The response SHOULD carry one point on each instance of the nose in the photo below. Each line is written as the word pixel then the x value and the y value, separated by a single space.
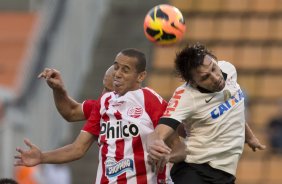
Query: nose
pixel 215 77
pixel 117 73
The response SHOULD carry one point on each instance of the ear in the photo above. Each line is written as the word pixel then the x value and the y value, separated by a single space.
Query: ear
pixel 141 76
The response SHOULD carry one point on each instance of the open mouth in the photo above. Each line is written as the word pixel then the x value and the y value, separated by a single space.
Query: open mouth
pixel 117 83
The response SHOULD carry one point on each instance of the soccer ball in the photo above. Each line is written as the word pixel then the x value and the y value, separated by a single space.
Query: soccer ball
pixel 164 25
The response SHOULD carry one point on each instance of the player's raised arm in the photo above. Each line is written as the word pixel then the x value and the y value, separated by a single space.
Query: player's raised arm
pixel 67 107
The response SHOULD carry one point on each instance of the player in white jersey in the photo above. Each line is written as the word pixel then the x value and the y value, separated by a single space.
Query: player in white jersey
pixel 127 116
pixel 211 106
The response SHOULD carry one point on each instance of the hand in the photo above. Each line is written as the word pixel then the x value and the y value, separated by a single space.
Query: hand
pixel 30 157
pixel 158 153
pixel 157 149
pixel 53 78
pixel 158 166
pixel 254 144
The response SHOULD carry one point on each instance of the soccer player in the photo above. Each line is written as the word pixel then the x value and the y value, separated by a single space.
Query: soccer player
pixel 210 105
pixel 120 122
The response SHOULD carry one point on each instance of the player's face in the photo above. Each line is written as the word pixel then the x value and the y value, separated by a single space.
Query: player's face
pixel 126 77
pixel 208 75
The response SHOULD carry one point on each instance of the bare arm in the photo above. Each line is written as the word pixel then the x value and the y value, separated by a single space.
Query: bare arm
pixel 66 106
pixel 178 153
pixel 156 146
pixel 159 153
pixel 34 156
pixel 252 140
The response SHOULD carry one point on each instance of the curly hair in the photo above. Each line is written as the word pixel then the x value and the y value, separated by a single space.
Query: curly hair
pixel 189 58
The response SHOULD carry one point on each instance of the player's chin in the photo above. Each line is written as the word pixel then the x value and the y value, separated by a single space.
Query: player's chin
pixel 218 89
pixel 220 86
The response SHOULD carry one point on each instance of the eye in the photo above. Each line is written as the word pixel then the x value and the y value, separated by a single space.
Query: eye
pixel 125 70
pixel 205 77
pixel 115 67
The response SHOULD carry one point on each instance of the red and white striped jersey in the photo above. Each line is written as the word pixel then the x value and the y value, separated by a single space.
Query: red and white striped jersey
pixel 122 124
pixel 87 107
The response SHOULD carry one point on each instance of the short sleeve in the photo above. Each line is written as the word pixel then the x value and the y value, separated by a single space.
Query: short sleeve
pixel 92 124
pixel 180 105
pixel 87 107
pixel 154 105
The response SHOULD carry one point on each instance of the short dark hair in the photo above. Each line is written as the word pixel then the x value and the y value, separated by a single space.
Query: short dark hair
pixel 139 55
pixel 190 57
pixel 7 181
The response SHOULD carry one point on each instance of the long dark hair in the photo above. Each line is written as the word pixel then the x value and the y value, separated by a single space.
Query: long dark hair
pixel 189 58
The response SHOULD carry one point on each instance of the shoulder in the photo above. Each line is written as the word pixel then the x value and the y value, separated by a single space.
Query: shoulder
pixel 228 68
pixel 150 93
pixel 185 89
pixel 106 96
pixel 89 102
pixel 183 94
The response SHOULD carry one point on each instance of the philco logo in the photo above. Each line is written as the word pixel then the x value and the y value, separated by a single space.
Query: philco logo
pixel 119 130
pixel 135 112
pixel 227 105
pixel 114 168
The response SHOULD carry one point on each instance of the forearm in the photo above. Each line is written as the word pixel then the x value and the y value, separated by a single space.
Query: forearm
pixel 163 132
pixel 62 155
pixel 248 133
pixel 177 145
pixel 67 107
pixel 70 152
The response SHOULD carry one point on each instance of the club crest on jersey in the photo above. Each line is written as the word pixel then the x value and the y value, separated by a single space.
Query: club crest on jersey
pixel 135 112
pixel 119 130
pixel 114 168
pixel 227 105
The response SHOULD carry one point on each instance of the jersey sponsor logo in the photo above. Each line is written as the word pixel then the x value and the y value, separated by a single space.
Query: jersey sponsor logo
pixel 227 105
pixel 173 103
pixel 119 130
pixel 135 112
pixel 114 168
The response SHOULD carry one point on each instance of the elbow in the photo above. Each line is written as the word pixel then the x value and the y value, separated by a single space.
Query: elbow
pixel 68 118
pixel 79 152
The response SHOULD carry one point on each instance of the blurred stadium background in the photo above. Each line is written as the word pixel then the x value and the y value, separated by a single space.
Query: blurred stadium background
pixel 81 39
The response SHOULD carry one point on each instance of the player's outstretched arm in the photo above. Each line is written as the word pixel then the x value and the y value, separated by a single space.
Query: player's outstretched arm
pixel 67 107
pixel 34 156
pixel 155 143
pixel 252 140
pixel 178 153
pixel 29 158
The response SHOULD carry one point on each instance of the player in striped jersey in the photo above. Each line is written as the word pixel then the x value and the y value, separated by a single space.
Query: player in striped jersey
pixel 120 123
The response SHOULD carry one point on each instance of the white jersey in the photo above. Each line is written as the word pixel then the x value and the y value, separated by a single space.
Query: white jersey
pixel 215 122
pixel 122 124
